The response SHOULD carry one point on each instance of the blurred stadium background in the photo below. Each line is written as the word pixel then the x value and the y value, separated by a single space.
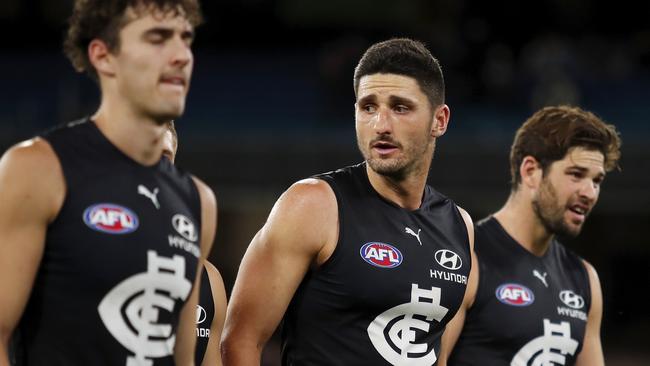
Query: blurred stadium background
pixel 272 102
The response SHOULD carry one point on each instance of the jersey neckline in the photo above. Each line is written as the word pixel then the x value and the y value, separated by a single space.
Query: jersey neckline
pixel 426 195
pixel 515 245
pixel 109 145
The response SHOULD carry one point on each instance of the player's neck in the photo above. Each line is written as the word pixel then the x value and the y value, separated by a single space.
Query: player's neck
pixel 406 193
pixel 137 137
pixel 519 220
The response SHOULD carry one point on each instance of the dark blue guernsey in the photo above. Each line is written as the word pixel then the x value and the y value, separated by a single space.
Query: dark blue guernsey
pixel 394 280
pixel 528 310
pixel 119 260
pixel 204 315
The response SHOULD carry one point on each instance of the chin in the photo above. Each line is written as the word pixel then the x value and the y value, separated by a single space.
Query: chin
pixel 571 231
pixel 388 167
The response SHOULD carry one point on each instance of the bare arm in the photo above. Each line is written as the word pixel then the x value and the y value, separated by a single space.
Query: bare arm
pixel 302 226
pixel 185 335
pixel 592 350
pixel 32 189
pixel 213 351
pixel 455 326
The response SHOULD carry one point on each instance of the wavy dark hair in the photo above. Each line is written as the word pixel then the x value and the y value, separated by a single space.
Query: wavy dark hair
pixel 103 19
pixel 552 131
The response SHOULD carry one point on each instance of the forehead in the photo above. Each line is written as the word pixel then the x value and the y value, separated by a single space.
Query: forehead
pixel 580 157
pixel 146 17
pixel 389 84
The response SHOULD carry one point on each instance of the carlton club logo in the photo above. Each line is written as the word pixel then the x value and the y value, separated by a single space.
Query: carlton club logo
pixel 110 218
pixel 448 259
pixel 571 299
pixel 551 348
pixel 130 311
pixel 515 294
pixel 399 333
pixel 381 255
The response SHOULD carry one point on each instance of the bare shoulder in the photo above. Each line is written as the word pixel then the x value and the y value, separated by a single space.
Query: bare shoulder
pixel 31 171
pixel 34 153
pixel 205 193
pixel 309 201
pixel 469 224
pixel 594 281
pixel 306 213
pixel 591 270
pixel 213 272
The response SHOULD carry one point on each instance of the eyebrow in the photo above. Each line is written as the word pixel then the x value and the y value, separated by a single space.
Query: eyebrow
pixel 166 33
pixel 583 169
pixel 392 100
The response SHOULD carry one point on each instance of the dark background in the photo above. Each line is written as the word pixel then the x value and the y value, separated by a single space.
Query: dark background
pixel 272 102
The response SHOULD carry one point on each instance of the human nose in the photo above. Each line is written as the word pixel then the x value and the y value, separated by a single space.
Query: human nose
pixel 181 53
pixel 589 190
pixel 382 123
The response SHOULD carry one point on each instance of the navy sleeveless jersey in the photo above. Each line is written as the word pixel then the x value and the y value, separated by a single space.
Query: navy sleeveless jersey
pixel 528 310
pixel 119 260
pixel 394 280
pixel 204 315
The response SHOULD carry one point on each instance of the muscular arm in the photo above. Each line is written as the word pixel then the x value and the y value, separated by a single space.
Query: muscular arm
pixel 213 351
pixel 455 326
pixel 592 350
pixel 185 335
pixel 32 188
pixel 300 231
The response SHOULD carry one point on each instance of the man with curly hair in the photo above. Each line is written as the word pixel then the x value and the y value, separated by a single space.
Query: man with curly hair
pixel 535 302
pixel 101 239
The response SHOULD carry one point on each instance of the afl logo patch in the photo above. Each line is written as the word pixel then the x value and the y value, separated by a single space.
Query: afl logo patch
pixel 110 218
pixel 381 255
pixel 515 294
pixel 448 259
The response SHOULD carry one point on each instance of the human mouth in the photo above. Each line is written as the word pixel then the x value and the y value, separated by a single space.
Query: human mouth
pixel 578 213
pixel 384 147
pixel 174 81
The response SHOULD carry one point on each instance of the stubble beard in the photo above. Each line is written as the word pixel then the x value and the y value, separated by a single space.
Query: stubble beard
pixel 550 213
pixel 409 162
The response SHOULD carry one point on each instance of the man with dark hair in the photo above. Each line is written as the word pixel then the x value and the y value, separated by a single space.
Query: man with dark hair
pixel 101 238
pixel 211 309
pixel 534 302
pixel 367 263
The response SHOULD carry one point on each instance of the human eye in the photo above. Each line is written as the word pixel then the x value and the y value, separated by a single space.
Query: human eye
pixel 598 181
pixel 188 38
pixel 575 174
pixel 369 108
pixel 401 108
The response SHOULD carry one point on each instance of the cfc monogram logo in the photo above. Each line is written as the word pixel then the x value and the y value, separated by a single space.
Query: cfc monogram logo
pixel 549 349
pixel 393 332
pixel 130 310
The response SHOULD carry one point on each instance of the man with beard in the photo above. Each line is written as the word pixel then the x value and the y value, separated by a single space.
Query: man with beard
pixel 367 263
pixel 535 301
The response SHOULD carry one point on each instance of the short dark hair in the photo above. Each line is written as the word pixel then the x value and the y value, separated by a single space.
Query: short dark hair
pixel 103 19
pixel 406 57
pixel 552 131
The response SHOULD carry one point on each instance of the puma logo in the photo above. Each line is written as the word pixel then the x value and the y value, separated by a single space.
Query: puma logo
pixel 150 195
pixel 541 277
pixel 417 236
